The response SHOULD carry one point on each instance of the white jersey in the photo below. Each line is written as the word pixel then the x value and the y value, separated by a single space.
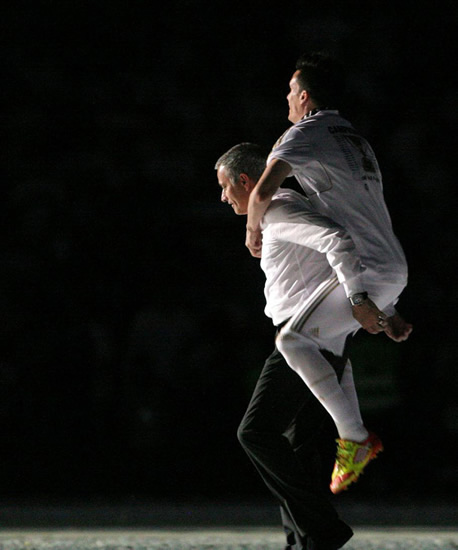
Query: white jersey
pixel 338 171
pixel 301 251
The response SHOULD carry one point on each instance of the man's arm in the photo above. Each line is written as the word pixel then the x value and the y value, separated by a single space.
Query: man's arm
pixel 293 223
pixel 274 175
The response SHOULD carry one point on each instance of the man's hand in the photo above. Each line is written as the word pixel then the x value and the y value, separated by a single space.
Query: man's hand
pixel 369 316
pixel 397 329
pixel 254 241
pixel 374 321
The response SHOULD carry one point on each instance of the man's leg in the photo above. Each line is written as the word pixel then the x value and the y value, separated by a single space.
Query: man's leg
pixel 277 399
pixel 312 447
pixel 307 436
pixel 315 447
pixel 293 540
pixel 324 323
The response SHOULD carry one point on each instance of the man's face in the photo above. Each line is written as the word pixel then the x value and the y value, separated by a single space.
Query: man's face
pixel 296 100
pixel 234 194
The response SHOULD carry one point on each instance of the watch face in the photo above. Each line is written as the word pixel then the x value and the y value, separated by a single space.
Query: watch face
pixel 357 299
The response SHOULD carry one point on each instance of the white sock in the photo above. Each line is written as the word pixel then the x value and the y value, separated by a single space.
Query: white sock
pixel 347 384
pixel 304 357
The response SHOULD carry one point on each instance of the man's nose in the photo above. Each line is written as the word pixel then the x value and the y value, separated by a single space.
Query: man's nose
pixel 223 196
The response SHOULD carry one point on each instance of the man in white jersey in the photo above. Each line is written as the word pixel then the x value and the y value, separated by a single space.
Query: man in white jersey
pixel 311 264
pixel 338 171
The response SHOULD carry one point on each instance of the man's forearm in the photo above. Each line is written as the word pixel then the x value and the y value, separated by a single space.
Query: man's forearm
pixel 262 194
pixel 256 210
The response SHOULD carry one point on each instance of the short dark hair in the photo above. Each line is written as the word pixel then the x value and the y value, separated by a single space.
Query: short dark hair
pixel 322 76
pixel 244 158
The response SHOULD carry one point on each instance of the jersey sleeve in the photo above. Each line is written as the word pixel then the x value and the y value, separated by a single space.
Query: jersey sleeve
pixel 289 221
pixel 291 148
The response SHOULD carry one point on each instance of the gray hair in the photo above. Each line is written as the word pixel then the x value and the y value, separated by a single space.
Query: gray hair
pixel 244 158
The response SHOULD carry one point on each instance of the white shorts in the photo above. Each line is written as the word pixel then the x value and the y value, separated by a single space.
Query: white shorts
pixel 326 318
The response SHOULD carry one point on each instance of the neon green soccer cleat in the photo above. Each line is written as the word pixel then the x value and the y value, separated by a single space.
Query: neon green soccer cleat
pixel 351 460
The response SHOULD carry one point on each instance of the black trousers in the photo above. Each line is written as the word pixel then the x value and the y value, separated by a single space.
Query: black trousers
pixel 280 433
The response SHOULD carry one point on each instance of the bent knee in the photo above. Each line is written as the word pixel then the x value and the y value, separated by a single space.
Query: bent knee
pixel 248 436
pixel 287 340
pixel 242 433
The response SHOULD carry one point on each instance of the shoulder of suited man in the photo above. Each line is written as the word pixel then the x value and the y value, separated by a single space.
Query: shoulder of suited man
pixel 289 206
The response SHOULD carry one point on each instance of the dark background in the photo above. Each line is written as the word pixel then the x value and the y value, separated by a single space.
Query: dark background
pixel 132 314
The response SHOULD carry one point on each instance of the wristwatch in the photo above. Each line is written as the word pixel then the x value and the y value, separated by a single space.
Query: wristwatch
pixel 358 299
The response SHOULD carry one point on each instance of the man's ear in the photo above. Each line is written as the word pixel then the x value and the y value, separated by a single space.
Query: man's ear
pixel 246 181
pixel 304 96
